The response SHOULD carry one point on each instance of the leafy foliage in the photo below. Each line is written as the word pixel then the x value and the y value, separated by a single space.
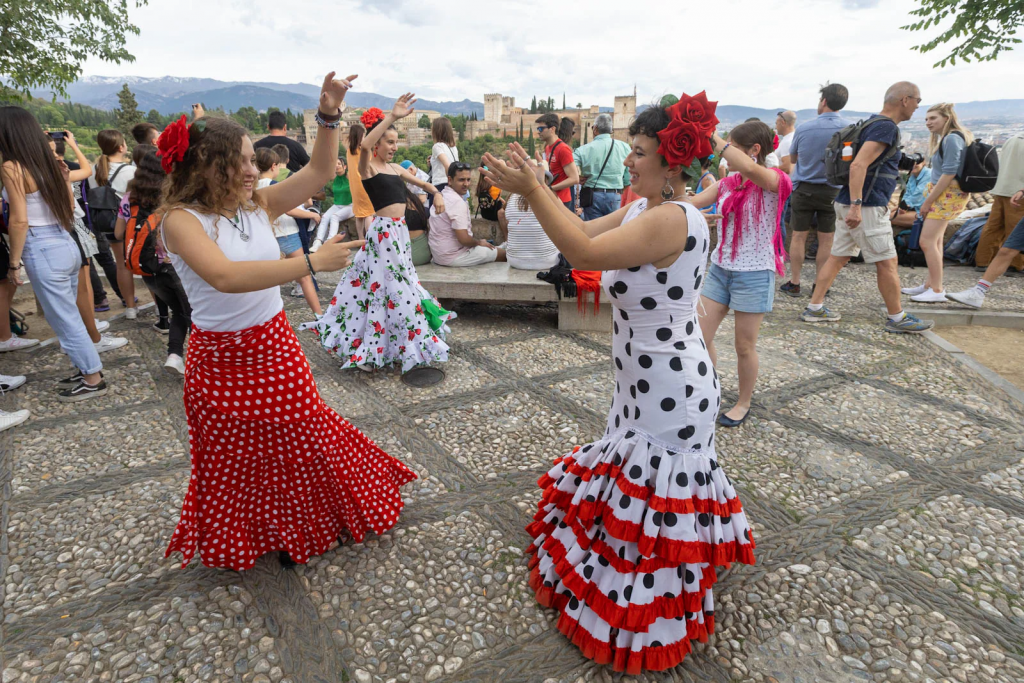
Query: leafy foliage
pixel 128 115
pixel 43 44
pixel 984 27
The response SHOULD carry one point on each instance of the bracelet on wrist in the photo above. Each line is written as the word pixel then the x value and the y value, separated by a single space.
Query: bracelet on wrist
pixel 329 122
pixel 309 265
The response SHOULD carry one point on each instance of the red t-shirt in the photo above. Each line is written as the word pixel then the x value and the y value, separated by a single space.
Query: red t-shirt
pixel 557 164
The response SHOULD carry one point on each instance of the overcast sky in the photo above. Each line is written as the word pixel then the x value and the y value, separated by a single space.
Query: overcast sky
pixel 750 52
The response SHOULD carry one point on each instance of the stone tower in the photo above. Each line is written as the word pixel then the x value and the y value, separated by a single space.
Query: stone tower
pixel 493 107
pixel 625 111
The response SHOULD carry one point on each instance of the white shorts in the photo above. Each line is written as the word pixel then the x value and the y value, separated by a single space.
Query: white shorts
pixel 474 257
pixel 873 236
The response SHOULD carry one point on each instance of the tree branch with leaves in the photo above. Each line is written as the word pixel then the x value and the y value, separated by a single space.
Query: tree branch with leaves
pixel 980 29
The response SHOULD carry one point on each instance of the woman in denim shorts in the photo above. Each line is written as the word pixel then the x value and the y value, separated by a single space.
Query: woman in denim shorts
pixel 750 251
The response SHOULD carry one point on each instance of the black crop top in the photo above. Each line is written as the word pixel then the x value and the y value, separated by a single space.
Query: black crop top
pixel 384 189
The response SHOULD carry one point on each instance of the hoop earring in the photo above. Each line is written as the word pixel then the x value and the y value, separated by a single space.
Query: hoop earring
pixel 667 192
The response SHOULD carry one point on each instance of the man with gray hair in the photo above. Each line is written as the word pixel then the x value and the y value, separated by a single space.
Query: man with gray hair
pixel 785 126
pixel 602 170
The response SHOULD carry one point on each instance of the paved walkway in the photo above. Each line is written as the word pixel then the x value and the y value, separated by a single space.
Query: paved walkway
pixel 883 479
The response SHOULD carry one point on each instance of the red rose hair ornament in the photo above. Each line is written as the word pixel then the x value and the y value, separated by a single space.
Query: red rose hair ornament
pixel 172 144
pixel 688 135
pixel 371 117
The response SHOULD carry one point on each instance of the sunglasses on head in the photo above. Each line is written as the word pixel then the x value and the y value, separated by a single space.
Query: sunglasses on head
pixel 461 166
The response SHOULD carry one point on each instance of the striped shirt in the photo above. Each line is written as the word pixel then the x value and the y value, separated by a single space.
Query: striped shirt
pixel 526 239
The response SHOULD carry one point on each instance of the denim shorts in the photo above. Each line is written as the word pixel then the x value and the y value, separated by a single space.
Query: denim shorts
pixel 1016 238
pixel 746 291
pixel 289 243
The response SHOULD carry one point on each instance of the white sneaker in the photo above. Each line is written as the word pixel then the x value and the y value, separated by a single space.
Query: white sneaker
pixel 131 313
pixel 929 296
pixel 109 343
pixel 8 420
pixel 102 326
pixel 17 344
pixel 316 245
pixel 914 291
pixel 175 363
pixel 969 297
pixel 297 290
pixel 11 382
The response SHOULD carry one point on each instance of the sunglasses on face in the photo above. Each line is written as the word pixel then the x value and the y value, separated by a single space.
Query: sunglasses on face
pixel 541 129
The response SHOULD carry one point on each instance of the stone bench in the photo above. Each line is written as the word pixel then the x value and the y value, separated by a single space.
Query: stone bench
pixel 496 283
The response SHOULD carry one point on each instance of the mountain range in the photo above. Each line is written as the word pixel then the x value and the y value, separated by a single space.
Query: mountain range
pixel 170 94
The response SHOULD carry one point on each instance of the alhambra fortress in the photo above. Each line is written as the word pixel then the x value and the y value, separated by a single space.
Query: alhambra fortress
pixel 501 117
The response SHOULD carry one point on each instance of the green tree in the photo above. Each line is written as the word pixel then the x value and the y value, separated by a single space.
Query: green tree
pixel 424 121
pixel 563 101
pixel 531 149
pixel 579 105
pixel 128 115
pixel 984 27
pixel 586 132
pixel 154 117
pixel 533 105
pixel 43 44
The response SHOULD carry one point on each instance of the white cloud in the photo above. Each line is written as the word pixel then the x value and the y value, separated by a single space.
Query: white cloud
pixel 769 54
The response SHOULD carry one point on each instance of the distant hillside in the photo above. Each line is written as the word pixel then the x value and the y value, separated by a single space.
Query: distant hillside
pixel 170 94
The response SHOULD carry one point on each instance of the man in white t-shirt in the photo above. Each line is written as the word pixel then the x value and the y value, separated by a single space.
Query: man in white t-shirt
pixel 785 127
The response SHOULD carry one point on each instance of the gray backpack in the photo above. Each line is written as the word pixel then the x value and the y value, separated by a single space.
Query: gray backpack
pixel 837 170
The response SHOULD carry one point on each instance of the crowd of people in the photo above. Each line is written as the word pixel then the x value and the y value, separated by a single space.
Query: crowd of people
pixel 631 527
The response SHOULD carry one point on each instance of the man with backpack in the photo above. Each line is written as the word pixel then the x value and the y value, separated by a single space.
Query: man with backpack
pixel 1005 215
pixel 864 159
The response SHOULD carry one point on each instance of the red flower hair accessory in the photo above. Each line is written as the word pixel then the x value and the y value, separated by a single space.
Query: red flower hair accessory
pixel 371 117
pixel 172 144
pixel 688 135
pixel 775 141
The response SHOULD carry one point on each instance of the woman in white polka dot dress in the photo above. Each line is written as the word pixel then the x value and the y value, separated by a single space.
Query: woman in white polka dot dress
pixel 630 527
pixel 273 468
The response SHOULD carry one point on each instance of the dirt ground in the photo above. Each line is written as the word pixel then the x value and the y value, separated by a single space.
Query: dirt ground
pixel 38 328
pixel 1000 350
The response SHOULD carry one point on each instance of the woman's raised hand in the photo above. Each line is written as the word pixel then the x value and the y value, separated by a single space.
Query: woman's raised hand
pixel 333 91
pixel 403 106
pixel 334 254
pixel 520 175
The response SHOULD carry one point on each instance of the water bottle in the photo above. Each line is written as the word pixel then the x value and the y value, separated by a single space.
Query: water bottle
pixel 848 152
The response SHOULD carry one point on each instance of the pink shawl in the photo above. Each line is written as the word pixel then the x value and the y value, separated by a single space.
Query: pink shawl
pixel 739 194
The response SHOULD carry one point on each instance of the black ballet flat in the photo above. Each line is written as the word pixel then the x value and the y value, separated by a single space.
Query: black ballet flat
pixel 727 421
pixel 285 559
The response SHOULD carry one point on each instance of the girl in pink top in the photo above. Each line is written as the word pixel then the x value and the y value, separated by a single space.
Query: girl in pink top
pixel 750 251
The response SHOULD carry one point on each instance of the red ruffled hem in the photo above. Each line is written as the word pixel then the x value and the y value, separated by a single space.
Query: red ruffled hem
pixel 633 617
pixel 628 661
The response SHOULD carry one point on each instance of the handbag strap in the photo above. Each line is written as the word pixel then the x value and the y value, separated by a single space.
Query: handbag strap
pixel 609 156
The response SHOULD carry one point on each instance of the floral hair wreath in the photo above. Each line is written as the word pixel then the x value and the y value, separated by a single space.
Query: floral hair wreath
pixel 687 137
pixel 173 142
pixel 371 117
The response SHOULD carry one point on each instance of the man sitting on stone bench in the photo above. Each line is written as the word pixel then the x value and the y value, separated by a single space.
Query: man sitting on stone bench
pixel 451 233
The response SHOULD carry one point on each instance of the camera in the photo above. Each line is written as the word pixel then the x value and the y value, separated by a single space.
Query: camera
pixel 907 162
pixel 57 134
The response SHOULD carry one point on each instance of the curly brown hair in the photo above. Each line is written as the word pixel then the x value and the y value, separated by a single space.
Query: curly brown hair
pixel 209 177
pixel 146 186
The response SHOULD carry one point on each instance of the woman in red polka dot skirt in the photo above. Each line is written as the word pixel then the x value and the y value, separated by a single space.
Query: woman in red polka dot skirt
pixel 273 468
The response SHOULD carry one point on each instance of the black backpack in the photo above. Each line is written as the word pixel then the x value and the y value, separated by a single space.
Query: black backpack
pixel 981 166
pixel 837 170
pixel 103 202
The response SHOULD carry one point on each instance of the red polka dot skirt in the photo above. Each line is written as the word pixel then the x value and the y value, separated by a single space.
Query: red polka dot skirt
pixel 273 467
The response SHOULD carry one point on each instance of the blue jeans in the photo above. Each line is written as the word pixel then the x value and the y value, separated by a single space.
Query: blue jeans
pixel 604 203
pixel 52 260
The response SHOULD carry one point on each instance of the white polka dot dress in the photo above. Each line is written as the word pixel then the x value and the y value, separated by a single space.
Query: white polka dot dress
pixel 376 317
pixel 630 528
pixel 273 467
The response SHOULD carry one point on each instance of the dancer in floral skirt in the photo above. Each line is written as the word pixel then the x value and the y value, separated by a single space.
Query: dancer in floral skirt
pixel 380 314
pixel 631 527
pixel 273 468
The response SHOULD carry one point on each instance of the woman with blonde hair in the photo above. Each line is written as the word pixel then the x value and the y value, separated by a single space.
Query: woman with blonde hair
pixel 944 200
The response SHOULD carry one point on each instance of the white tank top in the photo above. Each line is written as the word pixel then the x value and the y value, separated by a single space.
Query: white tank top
pixel 39 213
pixel 215 311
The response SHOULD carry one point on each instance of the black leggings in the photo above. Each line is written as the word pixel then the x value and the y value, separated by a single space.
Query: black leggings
pixel 105 259
pixel 166 287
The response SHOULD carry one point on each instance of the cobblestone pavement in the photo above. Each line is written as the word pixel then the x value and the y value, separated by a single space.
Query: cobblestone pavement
pixel 884 482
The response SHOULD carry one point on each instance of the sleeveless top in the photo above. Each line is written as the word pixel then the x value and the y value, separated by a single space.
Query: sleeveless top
pixel 37 210
pixel 216 311
pixel 384 189
pixel 697 190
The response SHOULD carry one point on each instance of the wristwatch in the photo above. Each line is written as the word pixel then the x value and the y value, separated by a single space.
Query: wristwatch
pixel 856 202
